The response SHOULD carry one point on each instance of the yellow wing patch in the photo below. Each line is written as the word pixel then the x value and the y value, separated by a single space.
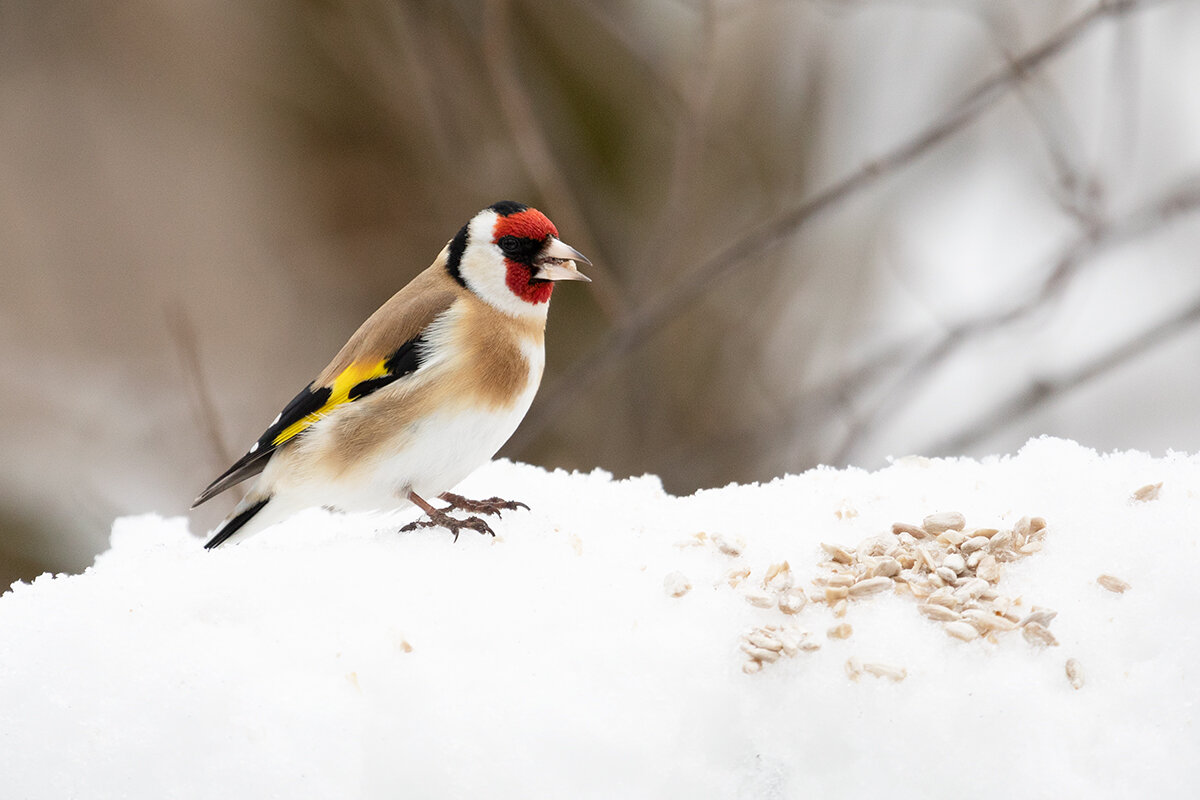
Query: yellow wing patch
pixel 339 393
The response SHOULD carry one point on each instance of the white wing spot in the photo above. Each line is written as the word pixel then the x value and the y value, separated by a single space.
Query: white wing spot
pixel 278 417
pixel 253 447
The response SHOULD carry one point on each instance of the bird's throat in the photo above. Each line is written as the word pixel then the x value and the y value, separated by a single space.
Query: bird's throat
pixel 520 282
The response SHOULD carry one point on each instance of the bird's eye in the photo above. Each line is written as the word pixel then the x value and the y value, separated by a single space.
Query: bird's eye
pixel 509 244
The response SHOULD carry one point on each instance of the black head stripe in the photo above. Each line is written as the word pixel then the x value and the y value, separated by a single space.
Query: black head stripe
pixel 508 207
pixel 454 258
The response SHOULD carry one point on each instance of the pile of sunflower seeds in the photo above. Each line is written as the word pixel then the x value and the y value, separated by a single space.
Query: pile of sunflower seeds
pixel 950 570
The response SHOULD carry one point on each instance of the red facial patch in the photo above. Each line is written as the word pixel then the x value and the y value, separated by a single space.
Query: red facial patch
pixel 528 224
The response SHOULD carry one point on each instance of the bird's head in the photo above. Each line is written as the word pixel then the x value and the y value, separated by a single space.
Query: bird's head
pixel 510 256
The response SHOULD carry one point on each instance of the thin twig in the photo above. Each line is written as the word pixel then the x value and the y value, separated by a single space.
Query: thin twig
pixel 697 283
pixel 690 132
pixel 1040 392
pixel 183 335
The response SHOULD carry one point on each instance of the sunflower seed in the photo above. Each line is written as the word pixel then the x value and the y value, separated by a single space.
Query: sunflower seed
pixel 972 588
pixel 1146 493
pixel 751 667
pixel 839 554
pixel 1005 555
pixel 759 599
pixel 939 613
pixel 730 547
pixel 854 668
pixel 1040 616
pixel 1038 635
pixel 842 631
pixel 839 608
pixel 974 543
pixel 1000 540
pixel 986 621
pixel 835 593
pixel 870 586
pixel 943 521
pixel 946 574
pixel 888 567
pixel 955 562
pixel 912 530
pixel 841 580
pixel 926 559
pixel 961 630
pixel 790 644
pixel 736 576
pixel 1113 583
pixel 759 653
pixel 894 674
pixel 676 584
pixel 792 601
pixel 951 538
pixel 779 576
pixel 945 597
pixel 1074 673
pixel 760 638
pixel 988 568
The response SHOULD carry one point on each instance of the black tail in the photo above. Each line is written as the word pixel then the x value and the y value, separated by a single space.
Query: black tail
pixel 234 523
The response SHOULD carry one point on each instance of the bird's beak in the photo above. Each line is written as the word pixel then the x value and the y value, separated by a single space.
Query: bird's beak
pixel 556 262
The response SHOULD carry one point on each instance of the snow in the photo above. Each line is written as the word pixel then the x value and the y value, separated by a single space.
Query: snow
pixel 333 657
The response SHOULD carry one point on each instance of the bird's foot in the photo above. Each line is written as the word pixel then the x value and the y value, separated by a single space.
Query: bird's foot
pixel 440 519
pixel 493 505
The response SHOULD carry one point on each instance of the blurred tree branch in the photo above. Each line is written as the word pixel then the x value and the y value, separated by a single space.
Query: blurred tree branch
pixel 183 335
pixel 1182 199
pixel 1040 392
pixel 903 377
pixel 695 284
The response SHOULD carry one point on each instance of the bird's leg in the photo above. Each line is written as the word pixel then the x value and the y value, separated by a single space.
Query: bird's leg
pixel 493 505
pixel 440 519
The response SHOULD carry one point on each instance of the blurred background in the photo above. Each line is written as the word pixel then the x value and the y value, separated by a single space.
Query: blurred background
pixel 825 231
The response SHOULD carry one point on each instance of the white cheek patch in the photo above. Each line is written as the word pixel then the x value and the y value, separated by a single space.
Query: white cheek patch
pixel 485 273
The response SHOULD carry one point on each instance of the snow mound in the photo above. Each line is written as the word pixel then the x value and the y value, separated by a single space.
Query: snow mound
pixel 333 657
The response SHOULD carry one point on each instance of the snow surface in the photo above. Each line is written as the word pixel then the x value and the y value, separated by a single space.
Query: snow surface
pixel 332 657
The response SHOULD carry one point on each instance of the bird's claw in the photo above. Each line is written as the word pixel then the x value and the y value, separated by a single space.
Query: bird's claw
pixel 493 505
pixel 440 519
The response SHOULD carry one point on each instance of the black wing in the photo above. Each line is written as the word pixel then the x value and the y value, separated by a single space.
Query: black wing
pixel 354 383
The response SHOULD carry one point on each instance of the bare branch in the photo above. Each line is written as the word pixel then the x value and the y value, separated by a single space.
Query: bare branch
pixel 182 333
pixel 1184 198
pixel 1039 393
pixel 692 286
pixel 690 132
pixel 535 153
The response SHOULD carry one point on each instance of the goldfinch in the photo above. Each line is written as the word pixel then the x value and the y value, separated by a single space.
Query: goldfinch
pixel 425 392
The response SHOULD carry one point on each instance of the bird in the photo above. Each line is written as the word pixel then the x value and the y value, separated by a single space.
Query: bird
pixel 425 391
